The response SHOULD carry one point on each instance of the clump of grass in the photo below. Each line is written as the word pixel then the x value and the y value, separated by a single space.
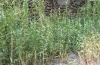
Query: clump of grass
pixel 24 41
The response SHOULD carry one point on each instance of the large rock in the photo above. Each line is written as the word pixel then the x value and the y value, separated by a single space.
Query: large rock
pixel 63 2
pixel 55 5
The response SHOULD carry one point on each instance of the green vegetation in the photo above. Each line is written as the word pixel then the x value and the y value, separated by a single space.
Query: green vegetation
pixel 34 42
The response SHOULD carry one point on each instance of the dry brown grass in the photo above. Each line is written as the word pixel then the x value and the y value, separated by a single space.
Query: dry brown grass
pixel 91 50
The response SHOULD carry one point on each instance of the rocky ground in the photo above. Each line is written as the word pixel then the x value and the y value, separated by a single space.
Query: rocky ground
pixel 71 59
